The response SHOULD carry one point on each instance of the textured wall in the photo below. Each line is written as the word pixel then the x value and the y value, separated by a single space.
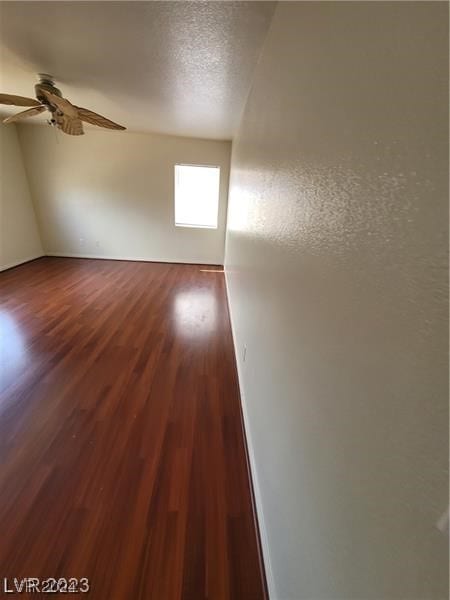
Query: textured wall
pixel 336 260
pixel 111 194
pixel 19 236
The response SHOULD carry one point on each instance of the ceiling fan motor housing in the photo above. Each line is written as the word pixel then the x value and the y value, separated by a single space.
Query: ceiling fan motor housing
pixel 47 83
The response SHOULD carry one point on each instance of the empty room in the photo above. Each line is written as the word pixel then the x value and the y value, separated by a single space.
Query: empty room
pixel 224 366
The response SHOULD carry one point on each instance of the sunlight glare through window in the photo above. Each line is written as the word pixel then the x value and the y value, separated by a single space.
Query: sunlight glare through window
pixel 196 196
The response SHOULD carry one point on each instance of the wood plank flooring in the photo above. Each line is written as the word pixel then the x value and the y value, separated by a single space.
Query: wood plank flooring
pixel 122 458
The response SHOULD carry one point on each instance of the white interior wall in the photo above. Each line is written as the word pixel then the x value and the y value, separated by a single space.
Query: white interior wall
pixel 337 270
pixel 110 194
pixel 19 235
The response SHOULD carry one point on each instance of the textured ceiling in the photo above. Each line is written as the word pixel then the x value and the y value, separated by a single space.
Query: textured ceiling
pixel 182 68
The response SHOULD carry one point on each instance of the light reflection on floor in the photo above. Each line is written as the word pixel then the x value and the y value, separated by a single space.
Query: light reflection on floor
pixel 195 313
pixel 13 352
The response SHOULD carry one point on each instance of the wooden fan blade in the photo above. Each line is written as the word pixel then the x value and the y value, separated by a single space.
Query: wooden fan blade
pixel 18 100
pixel 69 125
pixel 95 119
pixel 61 104
pixel 30 112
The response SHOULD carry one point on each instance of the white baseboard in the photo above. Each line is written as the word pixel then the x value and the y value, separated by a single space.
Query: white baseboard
pixel 132 258
pixel 251 456
pixel 20 262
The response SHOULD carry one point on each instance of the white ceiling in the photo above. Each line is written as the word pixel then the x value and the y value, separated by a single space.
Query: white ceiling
pixel 182 68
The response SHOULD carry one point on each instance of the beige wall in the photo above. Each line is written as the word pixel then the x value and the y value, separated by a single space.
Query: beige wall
pixel 110 194
pixel 336 261
pixel 19 236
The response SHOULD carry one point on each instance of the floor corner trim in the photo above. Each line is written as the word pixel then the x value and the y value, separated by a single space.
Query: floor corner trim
pixel 263 541
pixel 22 261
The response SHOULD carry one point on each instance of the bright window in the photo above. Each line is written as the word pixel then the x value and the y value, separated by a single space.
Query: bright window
pixel 196 196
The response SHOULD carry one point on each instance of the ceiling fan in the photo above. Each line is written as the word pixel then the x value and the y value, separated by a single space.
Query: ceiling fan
pixel 64 115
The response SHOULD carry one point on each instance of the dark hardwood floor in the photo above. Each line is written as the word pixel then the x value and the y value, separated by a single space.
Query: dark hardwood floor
pixel 122 458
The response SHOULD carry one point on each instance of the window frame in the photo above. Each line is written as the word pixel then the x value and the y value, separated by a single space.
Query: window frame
pixel 188 225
